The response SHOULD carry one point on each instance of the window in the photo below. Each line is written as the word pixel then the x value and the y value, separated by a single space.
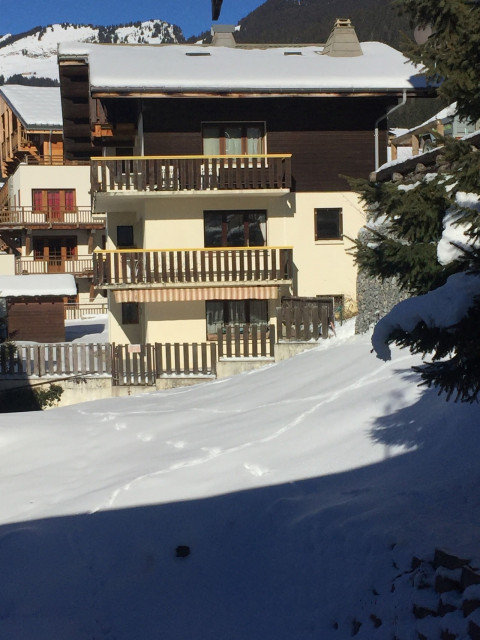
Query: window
pixel 130 313
pixel 328 224
pixel 125 236
pixel 233 138
pixel 54 202
pixel 235 228
pixel 235 312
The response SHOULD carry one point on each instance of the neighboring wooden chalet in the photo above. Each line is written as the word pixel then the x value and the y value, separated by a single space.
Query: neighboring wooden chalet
pixel 427 135
pixel 32 307
pixel 30 127
pixel 46 218
pixel 221 170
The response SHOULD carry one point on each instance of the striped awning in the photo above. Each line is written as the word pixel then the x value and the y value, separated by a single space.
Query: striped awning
pixel 197 293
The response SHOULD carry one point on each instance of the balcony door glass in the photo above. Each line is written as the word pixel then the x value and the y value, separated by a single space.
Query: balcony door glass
pixel 254 140
pixel 235 228
pixel 211 141
pixel 233 140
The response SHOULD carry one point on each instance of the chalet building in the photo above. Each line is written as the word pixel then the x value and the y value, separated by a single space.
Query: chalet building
pixel 221 170
pixel 32 307
pixel 46 218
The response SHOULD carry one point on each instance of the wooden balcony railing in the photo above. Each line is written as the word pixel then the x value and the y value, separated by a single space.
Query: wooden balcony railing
pixel 25 216
pixel 78 266
pixel 191 173
pixel 192 266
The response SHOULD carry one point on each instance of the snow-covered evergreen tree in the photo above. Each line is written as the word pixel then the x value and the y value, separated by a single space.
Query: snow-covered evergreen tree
pixel 426 231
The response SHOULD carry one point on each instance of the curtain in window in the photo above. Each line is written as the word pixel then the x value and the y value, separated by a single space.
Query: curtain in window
pixel 254 141
pixel 211 141
pixel 37 200
pixel 233 141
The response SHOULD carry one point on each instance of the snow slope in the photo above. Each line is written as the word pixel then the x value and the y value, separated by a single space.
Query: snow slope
pixel 302 491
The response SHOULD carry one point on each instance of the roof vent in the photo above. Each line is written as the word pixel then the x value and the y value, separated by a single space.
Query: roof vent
pixel 342 41
pixel 223 35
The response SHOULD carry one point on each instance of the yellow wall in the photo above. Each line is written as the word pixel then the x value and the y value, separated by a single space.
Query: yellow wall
pixel 176 222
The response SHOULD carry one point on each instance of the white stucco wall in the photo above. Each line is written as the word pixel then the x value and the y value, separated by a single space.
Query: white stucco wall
pixel 28 177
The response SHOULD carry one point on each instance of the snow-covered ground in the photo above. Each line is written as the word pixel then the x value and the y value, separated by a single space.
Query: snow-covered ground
pixel 302 491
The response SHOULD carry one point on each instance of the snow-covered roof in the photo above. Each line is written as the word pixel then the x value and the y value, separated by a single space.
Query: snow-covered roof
pixel 37 107
pixel 61 284
pixel 295 68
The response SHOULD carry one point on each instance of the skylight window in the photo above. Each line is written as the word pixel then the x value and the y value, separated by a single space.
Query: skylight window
pixel 292 53
pixel 197 53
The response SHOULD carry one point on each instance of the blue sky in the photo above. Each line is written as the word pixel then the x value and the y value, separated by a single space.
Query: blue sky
pixel 193 16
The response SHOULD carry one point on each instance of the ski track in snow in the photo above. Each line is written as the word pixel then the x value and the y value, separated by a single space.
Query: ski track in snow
pixel 254 469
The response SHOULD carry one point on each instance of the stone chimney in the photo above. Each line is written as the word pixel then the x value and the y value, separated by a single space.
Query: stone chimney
pixel 342 41
pixel 223 35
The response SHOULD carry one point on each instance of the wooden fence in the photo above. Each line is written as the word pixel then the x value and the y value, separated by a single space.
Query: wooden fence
pixel 142 364
pixel 304 324
pixel 246 341
pixel 62 359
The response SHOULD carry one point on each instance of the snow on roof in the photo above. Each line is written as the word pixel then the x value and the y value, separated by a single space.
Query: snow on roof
pixel 37 107
pixel 183 68
pixel 39 285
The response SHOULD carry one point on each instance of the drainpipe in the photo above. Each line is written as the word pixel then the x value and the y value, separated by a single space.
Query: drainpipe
pixel 401 103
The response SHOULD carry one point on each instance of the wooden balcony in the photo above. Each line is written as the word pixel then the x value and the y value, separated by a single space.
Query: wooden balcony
pixel 46 218
pixel 192 267
pixel 81 266
pixel 191 173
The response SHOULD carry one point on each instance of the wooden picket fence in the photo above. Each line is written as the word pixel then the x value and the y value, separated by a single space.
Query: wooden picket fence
pixel 143 364
pixel 55 359
pixel 246 341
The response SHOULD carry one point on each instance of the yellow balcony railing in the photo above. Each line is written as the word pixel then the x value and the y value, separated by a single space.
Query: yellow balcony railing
pixel 150 267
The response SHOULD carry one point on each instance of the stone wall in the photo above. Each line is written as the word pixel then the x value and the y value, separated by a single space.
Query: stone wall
pixel 375 299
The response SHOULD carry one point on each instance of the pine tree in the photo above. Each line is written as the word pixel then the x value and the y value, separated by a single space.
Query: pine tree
pixel 407 219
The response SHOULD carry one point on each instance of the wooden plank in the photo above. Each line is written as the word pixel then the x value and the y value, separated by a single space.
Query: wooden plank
pixel 147 267
pixel 266 272
pixel 180 271
pixel 195 369
pixel 163 259
pixel 83 356
pixel 228 340
pixel 194 256
pixel 108 360
pixel 142 356
pixel 171 264
pixel 176 350
pixel 256 253
pixel 168 359
pixel 220 342
pixel 219 255
pixel 59 359
pixel 136 357
pixel 158 359
pixel 156 274
pixel 253 329
pixel 187 269
pixel 263 340
pixel 246 341
pixel 324 320
pixel 51 359
pixel 204 362
pixel 128 366
pixel 186 359
pixel 150 373
pixel 272 339
pixel 236 337
pixel 213 357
